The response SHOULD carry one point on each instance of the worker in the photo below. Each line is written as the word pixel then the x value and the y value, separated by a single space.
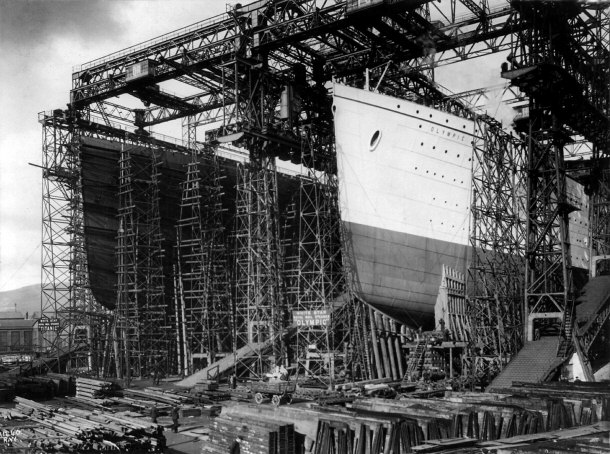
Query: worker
pixel 235 447
pixel 233 381
pixel 153 414
pixel 175 419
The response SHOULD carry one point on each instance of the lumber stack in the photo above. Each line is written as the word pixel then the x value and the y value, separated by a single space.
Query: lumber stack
pixel 66 384
pixel 77 430
pixel 241 394
pixel 165 397
pixel 95 389
pixel 205 385
pixel 260 436
pixel 443 419
pixel 584 402
pixel 397 437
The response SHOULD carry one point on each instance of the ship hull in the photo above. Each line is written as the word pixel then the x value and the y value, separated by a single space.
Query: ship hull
pixel 405 189
pixel 400 273
pixel 404 175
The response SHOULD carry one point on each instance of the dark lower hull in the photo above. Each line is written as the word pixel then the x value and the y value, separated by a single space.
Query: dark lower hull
pixel 401 273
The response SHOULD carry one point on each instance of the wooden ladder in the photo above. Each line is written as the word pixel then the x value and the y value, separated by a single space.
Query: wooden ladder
pixel 416 358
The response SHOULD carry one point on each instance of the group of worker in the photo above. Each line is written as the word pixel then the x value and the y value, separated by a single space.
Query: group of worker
pixel 174 414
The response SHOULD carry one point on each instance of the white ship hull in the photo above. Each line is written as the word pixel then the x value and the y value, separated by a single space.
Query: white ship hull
pixel 405 174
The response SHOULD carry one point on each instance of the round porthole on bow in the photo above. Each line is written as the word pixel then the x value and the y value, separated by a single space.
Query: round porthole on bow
pixel 375 139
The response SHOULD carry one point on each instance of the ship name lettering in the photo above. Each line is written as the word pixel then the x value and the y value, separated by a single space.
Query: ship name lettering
pixel 445 132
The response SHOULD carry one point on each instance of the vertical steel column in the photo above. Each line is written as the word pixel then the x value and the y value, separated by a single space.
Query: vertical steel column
pixel 498 246
pixel 65 291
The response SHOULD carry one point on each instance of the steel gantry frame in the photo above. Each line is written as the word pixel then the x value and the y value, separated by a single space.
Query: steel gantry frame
pixel 497 269
pixel 142 334
pixel 559 62
pixel 204 312
pixel 242 63
pixel 66 299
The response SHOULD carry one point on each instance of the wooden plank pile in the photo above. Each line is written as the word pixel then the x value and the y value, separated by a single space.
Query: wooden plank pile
pixel 66 384
pixel 395 436
pixel 156 395
pixel 208 397
pixel 584 402
pixel 205 385
pixel 259 436
pixel 241 394
pixel 95 389
pixel 77 430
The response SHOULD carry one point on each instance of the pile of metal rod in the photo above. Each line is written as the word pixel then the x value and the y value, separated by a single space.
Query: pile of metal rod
pixel 78 430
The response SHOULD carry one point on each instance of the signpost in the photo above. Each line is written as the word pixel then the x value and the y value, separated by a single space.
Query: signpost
pixel 48 324
pixel 311 318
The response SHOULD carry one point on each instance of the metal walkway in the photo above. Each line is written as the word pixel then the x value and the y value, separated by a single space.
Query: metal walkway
pixel 533 364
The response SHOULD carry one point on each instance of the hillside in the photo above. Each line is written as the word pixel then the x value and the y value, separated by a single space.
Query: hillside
pixel 25 299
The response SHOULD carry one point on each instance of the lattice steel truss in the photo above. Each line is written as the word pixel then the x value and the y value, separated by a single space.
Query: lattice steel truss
pixel 239 65
pixel 495 285
pixel 205 328
pixel 600 214
pixel 320 274
pixel 66 294
pixel 549 280
pixel 260 309
pixel 142 326
pixel 557 61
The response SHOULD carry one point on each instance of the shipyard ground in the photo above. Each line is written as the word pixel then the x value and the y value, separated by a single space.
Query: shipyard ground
pixel 525 417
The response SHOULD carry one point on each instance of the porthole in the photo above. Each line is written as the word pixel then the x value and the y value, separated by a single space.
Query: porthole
pixel 375 139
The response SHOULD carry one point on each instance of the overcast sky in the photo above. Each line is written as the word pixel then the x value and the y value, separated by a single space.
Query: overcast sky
pixel 40 42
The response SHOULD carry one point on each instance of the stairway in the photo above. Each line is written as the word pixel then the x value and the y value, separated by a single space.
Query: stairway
pixel 534 362
pixel 246 353
pixel 224 364
pixel 565 344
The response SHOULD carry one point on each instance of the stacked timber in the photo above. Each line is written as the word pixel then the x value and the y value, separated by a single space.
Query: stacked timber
pixel 7 390
pixel 66 384
pixel 387 437
pixel 159 396
pixel 205 385
pixel 253 436
pixel 95 389
pixel 44 386
pixel 77 430
pixel 241 394
pixel 567 404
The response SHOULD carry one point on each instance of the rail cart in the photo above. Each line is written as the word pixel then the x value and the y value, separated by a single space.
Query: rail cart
pixel 278 391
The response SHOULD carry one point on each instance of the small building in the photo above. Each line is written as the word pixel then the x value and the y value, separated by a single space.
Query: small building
pixel 18 337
